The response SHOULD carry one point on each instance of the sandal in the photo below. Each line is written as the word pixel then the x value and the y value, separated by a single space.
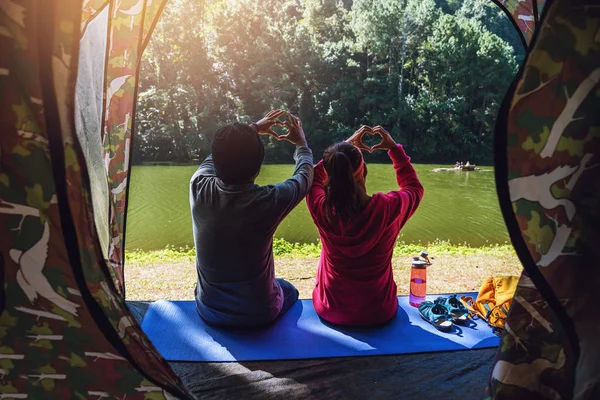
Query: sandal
pixel 455 308
pixel 436 314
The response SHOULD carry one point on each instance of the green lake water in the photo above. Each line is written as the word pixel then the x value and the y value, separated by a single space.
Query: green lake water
pixel 461 207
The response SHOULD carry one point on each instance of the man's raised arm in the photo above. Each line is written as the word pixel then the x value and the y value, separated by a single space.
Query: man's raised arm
pixel 206 169
pixel 291 192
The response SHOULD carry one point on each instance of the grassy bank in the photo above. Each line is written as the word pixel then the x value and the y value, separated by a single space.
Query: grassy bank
pixel 170 273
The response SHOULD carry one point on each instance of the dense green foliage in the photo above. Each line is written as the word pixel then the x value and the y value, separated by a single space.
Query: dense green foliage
pixel 432 72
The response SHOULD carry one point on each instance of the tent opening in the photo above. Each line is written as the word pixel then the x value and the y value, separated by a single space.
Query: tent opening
pixel 433 74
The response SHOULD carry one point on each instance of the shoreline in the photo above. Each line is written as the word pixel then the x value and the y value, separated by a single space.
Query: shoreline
pixel 170 273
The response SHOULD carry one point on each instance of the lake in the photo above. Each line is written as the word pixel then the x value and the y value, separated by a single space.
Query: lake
pixel 461 207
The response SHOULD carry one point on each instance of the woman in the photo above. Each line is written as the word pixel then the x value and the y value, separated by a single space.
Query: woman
pixel 355 285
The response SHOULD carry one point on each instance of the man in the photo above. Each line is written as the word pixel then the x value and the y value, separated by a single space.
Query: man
pixel 234 221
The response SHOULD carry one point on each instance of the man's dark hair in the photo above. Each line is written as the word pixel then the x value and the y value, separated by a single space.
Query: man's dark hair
pixel 237 153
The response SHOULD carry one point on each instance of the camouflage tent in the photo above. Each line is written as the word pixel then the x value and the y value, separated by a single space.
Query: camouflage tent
pixel 547 176
pixel 524 15
pixel 68 80
pixel 68 76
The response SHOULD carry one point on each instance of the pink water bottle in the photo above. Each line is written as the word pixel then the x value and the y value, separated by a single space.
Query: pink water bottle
pixel 418 279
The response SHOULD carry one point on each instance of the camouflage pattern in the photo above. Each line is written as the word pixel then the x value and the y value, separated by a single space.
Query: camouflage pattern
pixel 124 50
pixel 152 13
pixel 64 330
pixel 129 29
pixel 89 10
pixel 130 26
pixel 524 14
pixel 549 348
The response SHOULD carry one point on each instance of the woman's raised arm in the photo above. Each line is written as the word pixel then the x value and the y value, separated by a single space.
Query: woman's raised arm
pixel 405 200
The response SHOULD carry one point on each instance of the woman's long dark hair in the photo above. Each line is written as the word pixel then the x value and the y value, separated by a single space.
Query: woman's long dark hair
pixel 341 161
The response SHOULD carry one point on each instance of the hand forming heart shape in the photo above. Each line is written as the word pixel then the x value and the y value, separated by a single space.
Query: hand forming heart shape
pixel 295 133
pixel 357 138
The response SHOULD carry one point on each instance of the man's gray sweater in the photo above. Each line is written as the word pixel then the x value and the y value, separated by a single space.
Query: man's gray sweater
pixel 233 233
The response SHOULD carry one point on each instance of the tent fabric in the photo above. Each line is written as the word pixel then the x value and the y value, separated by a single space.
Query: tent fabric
pixel 130 25
pixel 65 332
pixel 89 11
pixel 430 376
pixel 524 14
pixel 89 95
pixel 111 304
pixel 548 144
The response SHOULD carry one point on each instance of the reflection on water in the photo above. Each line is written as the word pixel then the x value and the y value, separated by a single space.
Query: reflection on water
pixel 457 206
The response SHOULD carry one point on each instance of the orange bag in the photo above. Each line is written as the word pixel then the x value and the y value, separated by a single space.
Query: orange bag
pixel 493 301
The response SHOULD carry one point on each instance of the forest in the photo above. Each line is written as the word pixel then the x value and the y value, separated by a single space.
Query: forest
pixel 432 72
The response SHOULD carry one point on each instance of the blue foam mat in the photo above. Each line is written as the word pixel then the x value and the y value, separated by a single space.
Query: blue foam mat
pixel 179 334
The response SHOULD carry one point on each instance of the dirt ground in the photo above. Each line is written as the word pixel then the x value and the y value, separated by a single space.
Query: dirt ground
pixel 448 274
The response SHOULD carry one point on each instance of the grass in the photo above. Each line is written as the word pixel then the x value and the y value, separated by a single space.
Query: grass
pixel 170 273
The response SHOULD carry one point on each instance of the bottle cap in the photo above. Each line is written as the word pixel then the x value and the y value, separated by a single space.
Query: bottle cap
pixel 418 263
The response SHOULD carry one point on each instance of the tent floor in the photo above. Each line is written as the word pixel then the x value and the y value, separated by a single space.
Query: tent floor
pixel 441 375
